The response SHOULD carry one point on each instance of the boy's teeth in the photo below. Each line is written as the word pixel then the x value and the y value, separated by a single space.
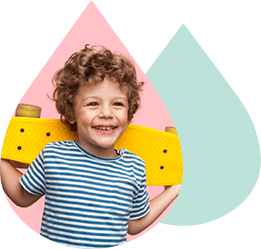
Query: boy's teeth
pixel 104 128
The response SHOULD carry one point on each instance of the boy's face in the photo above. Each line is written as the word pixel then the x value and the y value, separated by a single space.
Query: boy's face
pixel 101 113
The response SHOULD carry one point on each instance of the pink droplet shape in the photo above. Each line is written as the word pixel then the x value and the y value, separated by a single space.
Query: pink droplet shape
pixel 90 28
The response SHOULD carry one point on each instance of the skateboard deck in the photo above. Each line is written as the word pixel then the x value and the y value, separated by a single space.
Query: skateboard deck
pixel 161 152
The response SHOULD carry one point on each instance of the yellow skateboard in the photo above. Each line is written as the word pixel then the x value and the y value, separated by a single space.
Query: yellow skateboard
pixel 161 152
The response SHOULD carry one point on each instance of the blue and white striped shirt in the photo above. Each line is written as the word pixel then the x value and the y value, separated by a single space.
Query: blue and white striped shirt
pixel 89 199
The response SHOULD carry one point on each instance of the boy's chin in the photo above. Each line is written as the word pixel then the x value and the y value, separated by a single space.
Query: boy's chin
pixel 107 147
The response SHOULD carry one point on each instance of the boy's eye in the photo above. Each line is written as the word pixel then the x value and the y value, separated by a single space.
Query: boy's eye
pixel 92 104
pixel 118 104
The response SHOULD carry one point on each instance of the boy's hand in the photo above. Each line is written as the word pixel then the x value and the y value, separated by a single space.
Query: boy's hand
pixel 19 164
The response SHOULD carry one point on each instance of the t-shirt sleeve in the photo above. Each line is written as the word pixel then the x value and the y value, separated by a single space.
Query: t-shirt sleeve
pixel 141 204
pixel 33 181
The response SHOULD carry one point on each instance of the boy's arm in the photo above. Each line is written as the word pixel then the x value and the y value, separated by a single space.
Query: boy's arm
pixel 157 207
pixel 12 187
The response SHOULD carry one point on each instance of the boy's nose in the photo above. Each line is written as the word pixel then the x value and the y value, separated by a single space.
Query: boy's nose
pixel 105 112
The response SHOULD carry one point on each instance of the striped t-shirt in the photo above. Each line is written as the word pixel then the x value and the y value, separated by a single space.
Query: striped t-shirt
pixel 89 199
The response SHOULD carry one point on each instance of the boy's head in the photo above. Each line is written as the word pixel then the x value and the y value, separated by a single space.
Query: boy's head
pixel 90 66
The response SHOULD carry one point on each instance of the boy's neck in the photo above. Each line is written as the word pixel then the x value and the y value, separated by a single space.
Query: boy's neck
pixel 100 152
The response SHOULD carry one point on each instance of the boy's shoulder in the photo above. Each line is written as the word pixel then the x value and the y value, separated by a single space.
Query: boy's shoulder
pixel 131 156
pixel 60 145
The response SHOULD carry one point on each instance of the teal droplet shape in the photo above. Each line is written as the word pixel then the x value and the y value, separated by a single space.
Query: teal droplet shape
pixel 221 154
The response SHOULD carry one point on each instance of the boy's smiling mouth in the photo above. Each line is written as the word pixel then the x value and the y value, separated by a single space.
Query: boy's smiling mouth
pixel 105 129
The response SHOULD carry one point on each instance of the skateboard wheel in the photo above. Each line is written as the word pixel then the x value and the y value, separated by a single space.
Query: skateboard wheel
pixel 30 111
pixel 171 129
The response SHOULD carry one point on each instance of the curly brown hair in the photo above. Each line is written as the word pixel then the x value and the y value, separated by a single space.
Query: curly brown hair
pixel 90 66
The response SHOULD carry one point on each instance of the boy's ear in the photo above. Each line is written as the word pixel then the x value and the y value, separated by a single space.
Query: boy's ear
pixel 71 121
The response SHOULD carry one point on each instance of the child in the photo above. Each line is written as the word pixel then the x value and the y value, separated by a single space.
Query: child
pixel 94 193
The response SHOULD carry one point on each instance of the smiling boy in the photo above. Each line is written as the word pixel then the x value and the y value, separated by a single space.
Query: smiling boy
pixel 94 194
